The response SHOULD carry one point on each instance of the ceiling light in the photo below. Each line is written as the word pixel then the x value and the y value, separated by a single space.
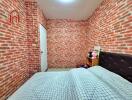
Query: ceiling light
pixel 66 1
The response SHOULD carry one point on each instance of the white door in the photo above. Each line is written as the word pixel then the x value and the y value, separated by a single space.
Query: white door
pixel 43 48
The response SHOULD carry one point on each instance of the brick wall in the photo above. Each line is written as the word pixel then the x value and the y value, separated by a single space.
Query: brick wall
pixel 110 26
pixel 13 48
pixel 19 45
pixel 34 17
pixel 33 36
pixel 41 18
pixel 66 43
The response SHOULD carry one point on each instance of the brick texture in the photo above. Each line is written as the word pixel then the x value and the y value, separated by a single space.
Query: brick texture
pixel 19 44
pixel 66 43
pixel 33 36
pixel 34 17
pixel 41 18
pixel 110 26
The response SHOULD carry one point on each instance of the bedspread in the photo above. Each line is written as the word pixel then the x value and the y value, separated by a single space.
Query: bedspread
pixel 95 83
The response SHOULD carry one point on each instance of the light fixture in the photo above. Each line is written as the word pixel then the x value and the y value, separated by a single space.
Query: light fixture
pixel 66 1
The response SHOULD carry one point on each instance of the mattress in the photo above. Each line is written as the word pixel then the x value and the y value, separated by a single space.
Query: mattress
pixel 95 83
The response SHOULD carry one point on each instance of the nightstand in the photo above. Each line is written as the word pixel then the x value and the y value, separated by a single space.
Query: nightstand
pixel 92 62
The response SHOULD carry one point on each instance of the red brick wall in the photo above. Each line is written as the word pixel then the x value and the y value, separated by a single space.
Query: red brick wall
pixel 110 26
pixel 13 48
pixel 66 43
pixel 34 17
pixel 41 18
pixel 33 36
pixel 19 45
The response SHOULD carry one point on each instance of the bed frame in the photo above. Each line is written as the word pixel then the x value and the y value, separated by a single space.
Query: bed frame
pixel 120 64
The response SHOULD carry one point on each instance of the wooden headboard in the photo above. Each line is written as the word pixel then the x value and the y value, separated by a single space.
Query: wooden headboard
pixel 120 64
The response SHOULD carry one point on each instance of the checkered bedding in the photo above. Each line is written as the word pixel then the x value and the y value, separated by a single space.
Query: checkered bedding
pixel 95 83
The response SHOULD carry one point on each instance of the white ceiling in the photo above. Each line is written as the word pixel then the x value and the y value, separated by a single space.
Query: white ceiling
pixel 76 10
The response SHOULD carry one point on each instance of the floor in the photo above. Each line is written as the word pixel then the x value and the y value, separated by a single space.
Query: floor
pixel 58 69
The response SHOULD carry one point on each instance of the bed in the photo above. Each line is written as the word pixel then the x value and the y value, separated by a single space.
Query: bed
pixel 95 83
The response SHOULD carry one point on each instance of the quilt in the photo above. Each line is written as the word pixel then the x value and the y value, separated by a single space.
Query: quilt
pixel 95 83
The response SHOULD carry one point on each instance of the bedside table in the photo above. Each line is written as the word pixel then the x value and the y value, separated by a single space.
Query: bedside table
pixel 92 62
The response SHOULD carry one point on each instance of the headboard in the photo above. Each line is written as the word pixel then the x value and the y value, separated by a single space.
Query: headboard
pixel 120 64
